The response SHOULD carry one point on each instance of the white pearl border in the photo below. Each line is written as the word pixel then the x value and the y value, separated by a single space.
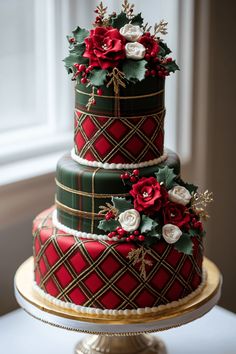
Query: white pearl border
pixel 117 166
pixel 80 234
pixel 139 311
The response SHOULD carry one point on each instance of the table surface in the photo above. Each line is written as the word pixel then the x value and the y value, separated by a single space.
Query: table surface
pixel 215 333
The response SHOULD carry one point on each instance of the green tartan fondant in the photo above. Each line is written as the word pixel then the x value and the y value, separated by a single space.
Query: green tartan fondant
pixel 84 189
pixel 128 107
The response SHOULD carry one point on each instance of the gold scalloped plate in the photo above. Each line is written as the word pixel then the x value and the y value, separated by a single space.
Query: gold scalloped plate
pixel 40 308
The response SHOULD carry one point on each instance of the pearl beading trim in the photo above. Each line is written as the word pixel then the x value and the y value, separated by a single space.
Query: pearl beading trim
pixel 139 311
pixel 80 234
pixel 117 166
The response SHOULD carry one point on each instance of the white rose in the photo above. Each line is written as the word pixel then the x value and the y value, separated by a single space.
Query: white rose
pixel 171 233
pixel 135 50
pixel 131 32
pixel 180 195
pixel 129 220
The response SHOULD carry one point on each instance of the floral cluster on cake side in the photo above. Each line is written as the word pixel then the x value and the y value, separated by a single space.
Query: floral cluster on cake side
pixel 159 207
pixel 120 49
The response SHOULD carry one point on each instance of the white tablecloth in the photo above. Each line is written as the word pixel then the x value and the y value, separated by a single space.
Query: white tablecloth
pixel 215 333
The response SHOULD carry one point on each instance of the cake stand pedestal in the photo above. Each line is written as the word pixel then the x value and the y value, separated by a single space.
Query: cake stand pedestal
pixel 117 334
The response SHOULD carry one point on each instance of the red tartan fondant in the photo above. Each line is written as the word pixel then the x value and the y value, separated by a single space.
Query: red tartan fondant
pixel 119 140
pixel 98 273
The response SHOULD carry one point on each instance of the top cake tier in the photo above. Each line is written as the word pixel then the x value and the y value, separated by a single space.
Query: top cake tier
pixel 128 129
pixel 119 66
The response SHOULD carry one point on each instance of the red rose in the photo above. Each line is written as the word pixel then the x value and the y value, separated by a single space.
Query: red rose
pixel 175 214
pixel 105 47
pixel 150 44
pixel 148 195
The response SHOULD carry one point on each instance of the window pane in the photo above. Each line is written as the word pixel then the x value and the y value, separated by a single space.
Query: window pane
pixel 18 64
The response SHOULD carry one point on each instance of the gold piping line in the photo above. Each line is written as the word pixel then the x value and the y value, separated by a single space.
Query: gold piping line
pixel 93 186
pixel 75 212
pixel 127 117
pixel 87 194
pixel 123 97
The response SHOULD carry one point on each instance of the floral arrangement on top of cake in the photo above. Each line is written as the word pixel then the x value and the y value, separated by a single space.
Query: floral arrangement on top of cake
pixel 119 50
pixel 160 207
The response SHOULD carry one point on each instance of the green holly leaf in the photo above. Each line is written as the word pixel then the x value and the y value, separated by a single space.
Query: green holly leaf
pixel 167 176
pixel 78 49
pixel 147 224
pixel 80 34
pixel 122 204
pixel 108 225
pixel 119 21
pixel 171 66
pixel 137 20
pixel 155 233
pixel 184 244
pixel 134 70
pixel 163 49
pixel 98 77
pixel 70 61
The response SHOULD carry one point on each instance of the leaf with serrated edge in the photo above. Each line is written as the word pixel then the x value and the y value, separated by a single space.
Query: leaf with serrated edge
pixel 137 20
pixel 98 77
pixel 80 34
pixel 119 21
pixel 134 70
pixel 122 204
pixel 108 225
pixel 167 176
pixel 147 224
pixel 184 245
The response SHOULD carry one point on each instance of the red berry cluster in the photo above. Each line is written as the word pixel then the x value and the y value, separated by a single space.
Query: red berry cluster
pixel 136 236
pixel 119 233
pixel 109 215
pixel 156 67
pixel 132 177
pixel 83 71
pixel 72 40
pixel 196 224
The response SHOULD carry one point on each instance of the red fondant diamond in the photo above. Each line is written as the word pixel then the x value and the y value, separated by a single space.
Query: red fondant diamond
pixel 117 130
pixel 145 298
pixel 42 267
pixel 79 140
pixel 135 145
pixel 93 282
pixel 63 276
pixel 118 157
pixel 127 283
pixel 103 146
pixel 110 266
pixel 174 257
pixel 77 296
pixel 65 243
pixel 51 254
pixel 148 127
pixel 89 127
pixel 175 291
pixel 78 262
pixel 89 156
pixel 94 249
pixel 36 246
pixel 51 288
pixel 101 120
pixel 160 279
pixel 186 268
pixel 110 300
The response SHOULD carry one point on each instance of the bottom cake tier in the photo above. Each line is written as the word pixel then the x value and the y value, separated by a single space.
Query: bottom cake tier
pixel 106 276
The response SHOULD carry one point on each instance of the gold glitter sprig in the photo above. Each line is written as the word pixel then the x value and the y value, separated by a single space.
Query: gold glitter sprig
pixel 128 9
pixel 101 10
pixel 138 256
pixel 147 28
pixel 117 79
pixel 91 100
pixel 107 208
pixel 160 27
pixel 199 203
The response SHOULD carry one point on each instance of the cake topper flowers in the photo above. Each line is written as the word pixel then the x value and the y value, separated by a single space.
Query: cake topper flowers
pixel 159 207
pixel 119 44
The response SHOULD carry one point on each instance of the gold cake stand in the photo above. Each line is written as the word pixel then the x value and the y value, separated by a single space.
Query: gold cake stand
pixel 117 334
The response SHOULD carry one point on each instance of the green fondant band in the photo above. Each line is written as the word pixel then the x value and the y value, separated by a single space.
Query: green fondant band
pixel 85 189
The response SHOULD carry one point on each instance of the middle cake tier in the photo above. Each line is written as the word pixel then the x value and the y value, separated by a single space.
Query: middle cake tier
pixel 82 190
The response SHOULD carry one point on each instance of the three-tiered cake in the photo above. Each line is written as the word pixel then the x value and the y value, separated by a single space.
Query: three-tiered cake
pixel 125 235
